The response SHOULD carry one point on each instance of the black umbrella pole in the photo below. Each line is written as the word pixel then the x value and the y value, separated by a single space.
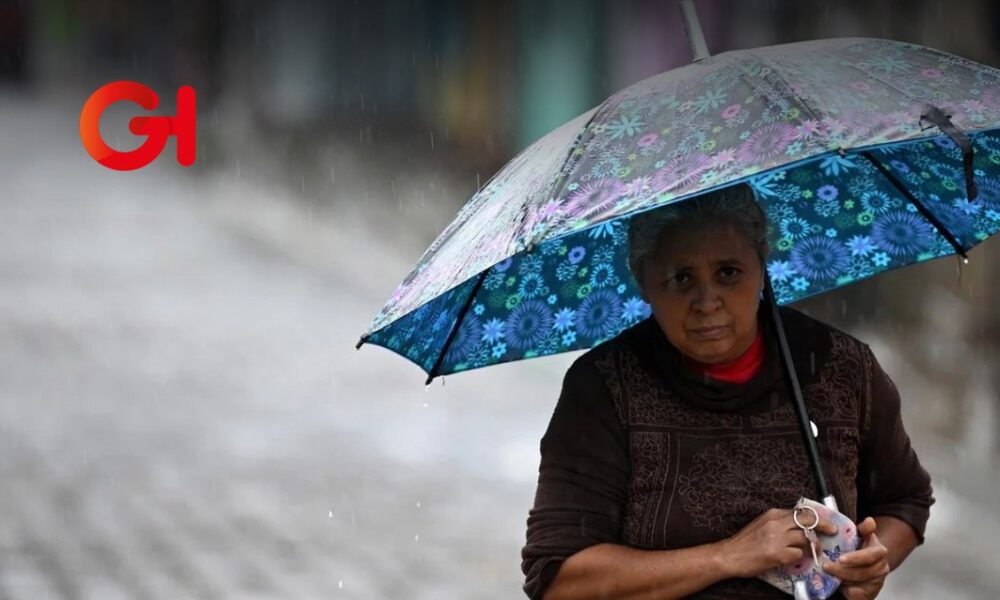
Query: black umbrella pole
pixel 800 406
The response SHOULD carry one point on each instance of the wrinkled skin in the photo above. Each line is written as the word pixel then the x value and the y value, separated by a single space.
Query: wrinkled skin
pixel 707 276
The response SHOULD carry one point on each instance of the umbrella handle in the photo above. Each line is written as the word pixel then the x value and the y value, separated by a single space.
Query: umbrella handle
pixel 805 426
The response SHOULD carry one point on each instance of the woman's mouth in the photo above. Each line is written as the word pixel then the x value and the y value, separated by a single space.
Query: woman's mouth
pixel 710 333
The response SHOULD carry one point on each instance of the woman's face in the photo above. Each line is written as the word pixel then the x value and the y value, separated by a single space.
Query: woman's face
pixel 703 285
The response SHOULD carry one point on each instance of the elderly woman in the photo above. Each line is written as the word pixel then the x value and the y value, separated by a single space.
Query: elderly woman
pixel 673 456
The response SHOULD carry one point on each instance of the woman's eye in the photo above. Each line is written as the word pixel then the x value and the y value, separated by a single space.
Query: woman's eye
pixel 729 272
pixel 679 279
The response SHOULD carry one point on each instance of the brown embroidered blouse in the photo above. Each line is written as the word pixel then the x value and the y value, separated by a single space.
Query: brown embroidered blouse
pixel 643 452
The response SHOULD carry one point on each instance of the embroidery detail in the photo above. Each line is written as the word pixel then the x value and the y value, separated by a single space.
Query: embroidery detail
pixel 843 445
pixel 866 418
pixel 834 397
pixel 612 376
pixel 653 405
pixel 740 465
pixel 734 481
pixel 651 466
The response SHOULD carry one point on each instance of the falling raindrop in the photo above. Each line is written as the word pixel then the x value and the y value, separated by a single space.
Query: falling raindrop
pixel 416 538
pixel 418 503
pixel 340 584
pixel 432 139
pixel 237 169
pixel 442 381
pixel 330 516
pixel 425 405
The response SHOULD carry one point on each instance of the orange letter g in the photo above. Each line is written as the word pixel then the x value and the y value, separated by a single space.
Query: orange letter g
pixel 157 129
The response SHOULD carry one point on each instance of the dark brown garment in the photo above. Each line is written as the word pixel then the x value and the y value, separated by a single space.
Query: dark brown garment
pixel 643 452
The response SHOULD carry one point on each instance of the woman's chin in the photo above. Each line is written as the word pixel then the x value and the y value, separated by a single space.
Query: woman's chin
pixel 711 351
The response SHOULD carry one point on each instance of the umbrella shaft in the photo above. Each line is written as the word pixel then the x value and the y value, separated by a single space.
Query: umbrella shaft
pixel 693 29
pixel 812 450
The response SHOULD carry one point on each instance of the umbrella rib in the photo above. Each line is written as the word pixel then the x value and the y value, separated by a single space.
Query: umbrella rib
pixel 788 87
pixel 920 205
pixel 564 172
pixel 454 328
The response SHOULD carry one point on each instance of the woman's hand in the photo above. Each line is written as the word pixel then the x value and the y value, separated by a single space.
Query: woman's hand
pixel 770 540
pixel 863 571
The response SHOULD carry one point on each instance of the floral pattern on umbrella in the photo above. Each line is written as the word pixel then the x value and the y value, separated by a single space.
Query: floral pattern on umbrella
pixel 535 263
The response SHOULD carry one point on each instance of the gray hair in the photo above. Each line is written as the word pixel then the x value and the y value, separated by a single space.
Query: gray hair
pixel 735 205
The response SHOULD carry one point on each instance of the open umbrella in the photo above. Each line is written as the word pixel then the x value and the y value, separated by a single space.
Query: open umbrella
pixel 866 155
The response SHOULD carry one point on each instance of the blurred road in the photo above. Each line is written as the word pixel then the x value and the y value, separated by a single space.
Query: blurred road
pixel 183 413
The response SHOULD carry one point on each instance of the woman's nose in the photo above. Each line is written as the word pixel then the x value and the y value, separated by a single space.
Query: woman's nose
pixel 706 298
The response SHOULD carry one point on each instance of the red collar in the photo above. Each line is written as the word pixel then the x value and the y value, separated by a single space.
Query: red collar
pixel 740 370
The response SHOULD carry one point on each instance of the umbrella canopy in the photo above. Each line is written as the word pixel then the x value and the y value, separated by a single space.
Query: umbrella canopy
pixel 841 141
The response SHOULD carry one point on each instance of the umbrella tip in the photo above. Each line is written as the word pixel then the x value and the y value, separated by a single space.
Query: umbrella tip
pixel 364 338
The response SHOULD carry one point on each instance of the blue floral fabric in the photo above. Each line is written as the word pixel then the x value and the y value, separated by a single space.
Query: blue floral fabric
pixel 535 262
pixel 833 220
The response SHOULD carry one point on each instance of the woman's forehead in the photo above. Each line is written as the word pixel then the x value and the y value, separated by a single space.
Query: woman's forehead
pixel 715 243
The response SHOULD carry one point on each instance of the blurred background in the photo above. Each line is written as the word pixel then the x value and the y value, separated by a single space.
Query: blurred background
pixel 182 410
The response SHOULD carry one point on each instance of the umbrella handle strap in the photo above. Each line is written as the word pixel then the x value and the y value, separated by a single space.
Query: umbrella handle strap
pixel 936 115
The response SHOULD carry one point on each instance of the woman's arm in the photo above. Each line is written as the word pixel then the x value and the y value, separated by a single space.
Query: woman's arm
pixel 614 571
pixel 894 493
pixel 893 487
pixel 583 479
pixel 898 538
pixel 574 546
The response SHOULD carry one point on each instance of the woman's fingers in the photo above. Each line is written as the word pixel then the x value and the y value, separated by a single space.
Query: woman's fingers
pixel 857 574
pixel 861 565
pixel 795 537
pixel 826 527
pixel 864 557
pixel 867 527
